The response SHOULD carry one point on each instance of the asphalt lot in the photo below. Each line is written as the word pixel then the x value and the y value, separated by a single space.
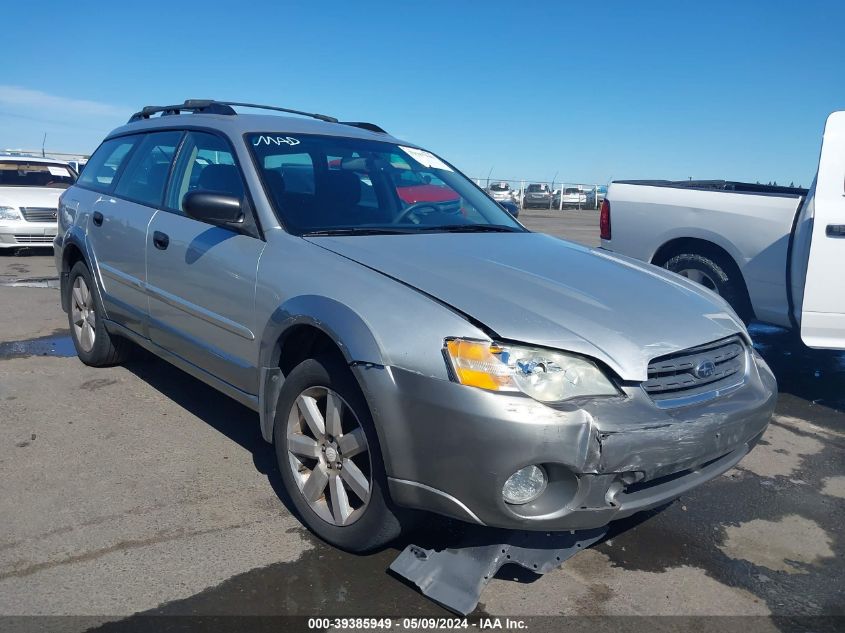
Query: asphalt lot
pixel 139 490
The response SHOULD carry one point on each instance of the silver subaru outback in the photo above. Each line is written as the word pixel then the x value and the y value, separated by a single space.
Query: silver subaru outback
pixel 406 347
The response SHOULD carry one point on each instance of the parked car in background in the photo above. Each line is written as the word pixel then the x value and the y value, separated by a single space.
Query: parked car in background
pixel 500 191
pixel 774 253
pixel 387 347
pixel 30 187
pixel 572 197
pixel 511 207
pixel 77 165
pixel 595 196
pixel 537 195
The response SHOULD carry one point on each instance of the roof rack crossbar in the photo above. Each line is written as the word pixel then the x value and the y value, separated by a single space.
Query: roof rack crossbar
pixel 207 106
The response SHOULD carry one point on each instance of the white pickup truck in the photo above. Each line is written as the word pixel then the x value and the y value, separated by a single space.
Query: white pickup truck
pixel 776 254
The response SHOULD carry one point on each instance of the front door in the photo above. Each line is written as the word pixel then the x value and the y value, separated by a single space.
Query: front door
pixel 823 306
pixel 201 278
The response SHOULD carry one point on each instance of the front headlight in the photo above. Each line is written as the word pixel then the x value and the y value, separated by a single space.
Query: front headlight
pixel 544 375
pixel 9 213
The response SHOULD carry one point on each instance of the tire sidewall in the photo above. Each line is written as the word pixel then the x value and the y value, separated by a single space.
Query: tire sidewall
pixel 100 349
pixel 378 524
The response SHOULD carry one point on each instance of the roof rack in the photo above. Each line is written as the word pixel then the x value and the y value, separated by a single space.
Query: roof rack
pixel 211 106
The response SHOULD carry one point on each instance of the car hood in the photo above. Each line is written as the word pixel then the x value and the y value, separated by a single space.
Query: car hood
pixel 536 289
pixel 30 196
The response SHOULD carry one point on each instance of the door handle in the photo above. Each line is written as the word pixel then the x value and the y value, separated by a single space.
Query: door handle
pixel 835 230
pixel 98 218
pixel 160 240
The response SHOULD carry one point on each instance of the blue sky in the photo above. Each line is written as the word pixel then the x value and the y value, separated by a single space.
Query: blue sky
pixel 590 91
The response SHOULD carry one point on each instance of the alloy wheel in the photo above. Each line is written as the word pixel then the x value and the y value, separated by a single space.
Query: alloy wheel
pixel 329 456
pixel 83 314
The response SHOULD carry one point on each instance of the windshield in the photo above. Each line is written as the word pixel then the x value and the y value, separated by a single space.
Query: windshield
pixel 325 185
pixel 537 188
pixel 16 173
pixel 499 186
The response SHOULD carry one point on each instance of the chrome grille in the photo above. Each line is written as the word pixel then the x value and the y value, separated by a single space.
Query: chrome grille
pixel 693 374
pixel 34 239
pixel 39 214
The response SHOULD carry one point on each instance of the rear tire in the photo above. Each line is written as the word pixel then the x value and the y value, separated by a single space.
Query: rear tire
pixel 86 318
pixel 331 507
pixel 717 275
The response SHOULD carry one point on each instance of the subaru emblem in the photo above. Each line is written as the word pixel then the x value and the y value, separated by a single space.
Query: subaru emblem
pixel 705 368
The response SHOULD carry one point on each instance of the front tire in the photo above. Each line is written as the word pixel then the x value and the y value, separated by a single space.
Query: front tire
pixel 330 459
pixel 86 318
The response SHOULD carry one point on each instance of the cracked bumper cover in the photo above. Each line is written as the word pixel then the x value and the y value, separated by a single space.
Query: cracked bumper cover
pixel 449 448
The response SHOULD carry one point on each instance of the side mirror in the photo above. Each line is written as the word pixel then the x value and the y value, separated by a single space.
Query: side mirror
pixel 510 207
pixel 214 208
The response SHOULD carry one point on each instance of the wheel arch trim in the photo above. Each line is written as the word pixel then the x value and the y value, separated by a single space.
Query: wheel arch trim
pixel 75 237
pixel 342 325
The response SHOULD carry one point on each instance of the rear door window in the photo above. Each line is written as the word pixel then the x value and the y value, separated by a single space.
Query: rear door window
pixel 100 171
pixel 145 176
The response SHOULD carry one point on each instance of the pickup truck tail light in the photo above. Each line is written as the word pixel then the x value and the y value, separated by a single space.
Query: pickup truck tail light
pixel 604 219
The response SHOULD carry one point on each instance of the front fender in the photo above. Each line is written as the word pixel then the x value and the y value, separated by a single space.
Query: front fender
pixel 340 323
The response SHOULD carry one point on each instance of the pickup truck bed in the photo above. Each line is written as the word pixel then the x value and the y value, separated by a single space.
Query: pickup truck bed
pixel 733 237
pixel 774 253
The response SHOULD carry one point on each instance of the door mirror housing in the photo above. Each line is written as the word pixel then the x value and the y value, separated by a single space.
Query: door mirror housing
pixel 214 208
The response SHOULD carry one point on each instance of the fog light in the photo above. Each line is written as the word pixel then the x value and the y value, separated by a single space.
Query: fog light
pixel 524 485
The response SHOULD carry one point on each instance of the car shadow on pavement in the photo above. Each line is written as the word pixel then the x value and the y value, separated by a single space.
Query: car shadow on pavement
pixel 219 411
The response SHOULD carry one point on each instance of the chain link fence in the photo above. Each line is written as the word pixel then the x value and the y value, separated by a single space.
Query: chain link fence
pixel 540 194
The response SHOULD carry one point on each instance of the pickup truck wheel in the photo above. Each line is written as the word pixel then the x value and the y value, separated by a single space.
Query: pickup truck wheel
pixel 329 457
pixel 94 345
pixel 715 275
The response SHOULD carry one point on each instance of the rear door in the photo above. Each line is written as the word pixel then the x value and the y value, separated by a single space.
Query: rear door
pixel 121 188
pixel 201 278
pixel 822 220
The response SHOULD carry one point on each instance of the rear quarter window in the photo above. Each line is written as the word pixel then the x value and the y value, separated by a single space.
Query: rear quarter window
pixel 100 171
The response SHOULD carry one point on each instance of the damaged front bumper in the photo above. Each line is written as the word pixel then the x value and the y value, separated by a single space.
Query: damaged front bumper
pixel 449 448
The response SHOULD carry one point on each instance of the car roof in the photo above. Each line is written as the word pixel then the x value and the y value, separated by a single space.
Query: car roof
pixel 24 158
pixel 239 124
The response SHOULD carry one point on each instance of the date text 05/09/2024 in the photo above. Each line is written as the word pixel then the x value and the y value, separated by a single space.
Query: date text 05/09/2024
pixel 413 624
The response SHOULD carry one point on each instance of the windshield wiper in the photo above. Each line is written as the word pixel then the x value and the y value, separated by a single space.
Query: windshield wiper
pixel 472 228
pixel 357 230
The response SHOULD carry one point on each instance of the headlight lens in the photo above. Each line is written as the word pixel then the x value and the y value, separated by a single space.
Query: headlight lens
pixel 9 213
pixel 544 375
